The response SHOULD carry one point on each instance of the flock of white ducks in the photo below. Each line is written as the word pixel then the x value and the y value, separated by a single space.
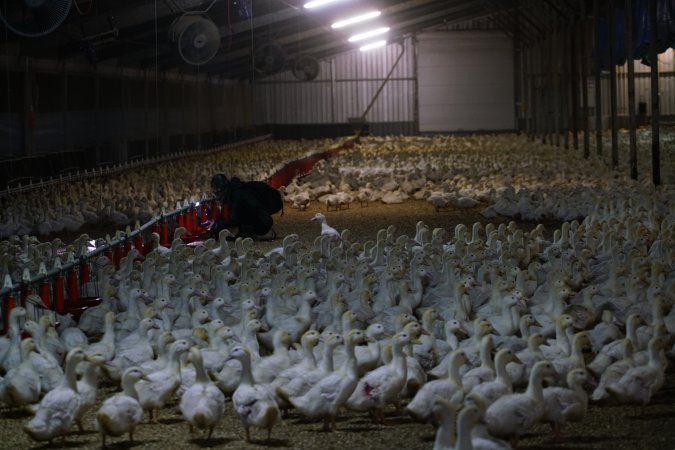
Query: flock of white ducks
pixel 460 328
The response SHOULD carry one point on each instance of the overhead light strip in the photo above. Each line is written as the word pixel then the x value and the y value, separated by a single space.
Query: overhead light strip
pixel 356 19
pixel 368 34
pixel 318 3
pixel 373 45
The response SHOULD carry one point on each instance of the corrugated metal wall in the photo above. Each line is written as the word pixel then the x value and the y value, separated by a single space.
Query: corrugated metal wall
pixel 344 88
pixel 643 85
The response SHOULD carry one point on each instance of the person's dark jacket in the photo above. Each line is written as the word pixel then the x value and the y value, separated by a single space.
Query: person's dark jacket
pixel 245 211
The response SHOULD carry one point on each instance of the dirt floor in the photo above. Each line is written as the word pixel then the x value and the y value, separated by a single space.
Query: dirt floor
pixel 606 426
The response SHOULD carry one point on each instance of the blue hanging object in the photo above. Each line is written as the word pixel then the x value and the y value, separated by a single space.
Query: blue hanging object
pixel 665 28
pixel 243 8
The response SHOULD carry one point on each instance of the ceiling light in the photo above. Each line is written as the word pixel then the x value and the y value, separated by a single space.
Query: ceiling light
pixel 356 19
pixel 317 3
pixel 368 34
pixel 372 45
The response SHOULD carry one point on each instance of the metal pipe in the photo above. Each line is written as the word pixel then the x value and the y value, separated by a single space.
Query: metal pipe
pixel 612 87
pixel 584 80
pixel 631 90
pixel 598 87
pixel 574 86
pixel 656 113
pixel 379 90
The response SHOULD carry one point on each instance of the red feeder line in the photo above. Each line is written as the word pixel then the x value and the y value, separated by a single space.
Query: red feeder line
pixel 127 246
pixel 118 254
pixel 85 273
pixel 164 232
pixel 108 254
pixel 8 305
pixel 180 219
pixel 59 294
pixel 24 295
pixel 139 244
pixel 73 288
pixel 44 295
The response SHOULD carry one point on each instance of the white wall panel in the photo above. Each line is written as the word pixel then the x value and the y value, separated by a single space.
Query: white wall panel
pixel 465 81
pixel 342 90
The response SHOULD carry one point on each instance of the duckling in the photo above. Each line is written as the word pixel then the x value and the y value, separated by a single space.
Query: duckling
pixel 87 385
pixel 325 398
pixel 615 371
pixel 255 403
pixel 303 382
pixel 569 404
pixel 10 348
pixel 445 414
pixel 451 388
pixel 383 385
pixel 640 383
pixel 122 412
pixel 21 385
pixel 486 371
pixel 44 362
pixel 106 345
pixel 501 385
pixel 513 414
pixel 155 391
pixel 467 419
pixel 613 351
pixel 575 360
pixel 55 413
pixel 202 404
pixel 520 372
pixel 268 367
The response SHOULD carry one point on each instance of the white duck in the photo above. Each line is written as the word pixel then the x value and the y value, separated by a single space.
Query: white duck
pixel 501 385
pixel 87 385
pixel 132 353
pixel 161 385
pixel 569 404
pixel 326 230
pixel 21 385
pixel 303 381
pixel 640 383
pixel 254 403
pixel 10 348
pixel 325 398
pixel 307 362
pixel 202 404
pixel 56 411
pixel 122 412
pixel 467 419
pixel 614 371
pixel 44 362
pixel 520 372
pixel 513 414
pixel 613 351
pixel 268 367
pixel 420 407
pixel 106 345
pixel 486 371
pixel 575 360
pixel 445 414
pixel 384 384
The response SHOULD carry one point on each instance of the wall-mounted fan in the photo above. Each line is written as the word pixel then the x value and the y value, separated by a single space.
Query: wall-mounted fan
pixel 306 68
pixel 197 38
pixel 269 59
pixel 34 18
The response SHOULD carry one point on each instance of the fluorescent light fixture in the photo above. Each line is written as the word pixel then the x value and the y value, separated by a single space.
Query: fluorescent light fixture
pixel 368 34
pixel 318 3
pixel 356 19
pixel 372 45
